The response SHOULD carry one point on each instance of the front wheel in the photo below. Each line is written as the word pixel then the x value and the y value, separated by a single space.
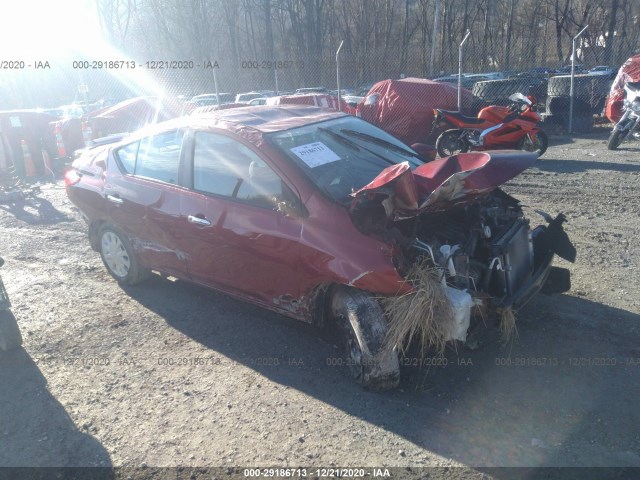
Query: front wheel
pixel 10 337
pixel 362 325
pixel 535 142
pixel 451 142
pixel 615 139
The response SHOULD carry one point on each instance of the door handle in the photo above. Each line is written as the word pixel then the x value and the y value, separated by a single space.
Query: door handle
pixel 115 199
pixel 199 220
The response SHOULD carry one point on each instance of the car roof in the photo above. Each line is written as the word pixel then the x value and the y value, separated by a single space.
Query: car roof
pixel 250 122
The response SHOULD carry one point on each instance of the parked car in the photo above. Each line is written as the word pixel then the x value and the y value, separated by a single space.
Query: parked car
pixel 352 100
pixel 211 99
pixel 316 215
pixel 578 68
pixel 602 70
pixel 467 81
pixel 539 72
pixel 307 90
pixel 314 99
pixel 258 101
pixel 247 97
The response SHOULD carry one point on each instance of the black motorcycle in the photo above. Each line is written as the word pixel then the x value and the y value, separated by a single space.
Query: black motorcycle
pixel 10 337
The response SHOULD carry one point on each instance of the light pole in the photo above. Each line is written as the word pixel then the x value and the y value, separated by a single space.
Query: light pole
pixel 460 70
pixel 215 84
pixel 573 67
pixel 338 75
pixel 434 37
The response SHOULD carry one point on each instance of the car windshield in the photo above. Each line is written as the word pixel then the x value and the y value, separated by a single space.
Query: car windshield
pixel 342 155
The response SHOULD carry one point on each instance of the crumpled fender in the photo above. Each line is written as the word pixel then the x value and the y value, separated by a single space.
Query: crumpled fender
pixel 446 182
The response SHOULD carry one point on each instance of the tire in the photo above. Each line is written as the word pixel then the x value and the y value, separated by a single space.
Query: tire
pixel 498 91
pixel 449 143
pixel 10 337
pixel 541 142
pixel 118 256
pixel 615 139
pixel 561 106
pixel 362 327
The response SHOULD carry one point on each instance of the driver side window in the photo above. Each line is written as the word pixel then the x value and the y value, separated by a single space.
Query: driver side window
pixel 225 167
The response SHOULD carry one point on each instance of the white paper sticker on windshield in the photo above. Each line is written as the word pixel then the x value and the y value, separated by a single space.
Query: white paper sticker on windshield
pixel 315 154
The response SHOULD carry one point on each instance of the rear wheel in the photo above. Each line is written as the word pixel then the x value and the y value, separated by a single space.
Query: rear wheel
pixel 10 337
pixel 615 139
pixel 362 327
pixel 539 141
pixel 117 255
pixel 451 143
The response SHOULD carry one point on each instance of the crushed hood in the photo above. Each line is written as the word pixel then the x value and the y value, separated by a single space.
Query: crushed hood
pixel 444 183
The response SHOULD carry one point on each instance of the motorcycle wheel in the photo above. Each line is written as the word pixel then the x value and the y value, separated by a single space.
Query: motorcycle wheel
pixel 615 139
pixel 10 337
pixel 540 142
pixel 450 143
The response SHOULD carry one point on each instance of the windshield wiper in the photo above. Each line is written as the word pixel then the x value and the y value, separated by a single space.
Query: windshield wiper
pixel 340 138
pixel 353 145
pixel 381 142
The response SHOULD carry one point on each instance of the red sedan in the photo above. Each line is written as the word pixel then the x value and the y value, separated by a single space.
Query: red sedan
pixel 314 214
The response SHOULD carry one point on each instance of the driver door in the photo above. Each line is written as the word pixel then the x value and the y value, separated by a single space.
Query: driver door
pixel 237 238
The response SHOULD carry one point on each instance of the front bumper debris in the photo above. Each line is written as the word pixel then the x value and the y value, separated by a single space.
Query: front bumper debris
pixel 548 241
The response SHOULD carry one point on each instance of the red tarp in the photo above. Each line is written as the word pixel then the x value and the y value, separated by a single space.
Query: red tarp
pixel 132 114
pixel 404 108
pixel 629 72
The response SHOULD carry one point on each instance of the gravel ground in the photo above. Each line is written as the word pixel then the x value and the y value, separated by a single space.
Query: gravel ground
pixel 167 373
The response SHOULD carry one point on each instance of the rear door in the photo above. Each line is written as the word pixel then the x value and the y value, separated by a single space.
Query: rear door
pixel 241 236
pixel 143 195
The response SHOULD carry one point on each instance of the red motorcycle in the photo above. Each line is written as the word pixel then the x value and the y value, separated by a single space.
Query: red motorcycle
pixel 495 127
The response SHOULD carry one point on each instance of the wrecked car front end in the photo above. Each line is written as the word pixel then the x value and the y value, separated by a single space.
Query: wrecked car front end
pixel 451 216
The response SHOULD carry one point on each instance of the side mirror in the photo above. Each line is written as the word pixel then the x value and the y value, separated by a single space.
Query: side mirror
pixel 426 151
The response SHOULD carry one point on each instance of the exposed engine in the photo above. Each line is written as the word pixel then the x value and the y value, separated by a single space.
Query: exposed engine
pixel 484 247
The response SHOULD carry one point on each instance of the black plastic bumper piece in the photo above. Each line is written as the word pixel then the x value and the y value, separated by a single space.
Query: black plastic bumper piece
pixel 529 289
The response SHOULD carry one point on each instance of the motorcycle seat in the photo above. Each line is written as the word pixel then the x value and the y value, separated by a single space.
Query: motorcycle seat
pixel 463 118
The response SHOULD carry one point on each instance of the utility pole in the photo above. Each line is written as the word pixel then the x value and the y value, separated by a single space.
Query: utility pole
pixel 434 37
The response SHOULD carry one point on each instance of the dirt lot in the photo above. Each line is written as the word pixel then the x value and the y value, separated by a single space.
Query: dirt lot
pixel 168 373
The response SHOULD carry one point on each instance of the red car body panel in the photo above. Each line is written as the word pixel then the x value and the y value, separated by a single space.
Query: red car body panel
pixel 277 261
pixel 441 184
pixel 629 72
pixel 404 108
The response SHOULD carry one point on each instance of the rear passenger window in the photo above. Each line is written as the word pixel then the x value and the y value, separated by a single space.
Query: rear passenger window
pixel 127 157
pixel 159 157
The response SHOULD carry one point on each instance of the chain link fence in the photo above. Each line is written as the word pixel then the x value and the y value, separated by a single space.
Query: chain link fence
pixel 166 48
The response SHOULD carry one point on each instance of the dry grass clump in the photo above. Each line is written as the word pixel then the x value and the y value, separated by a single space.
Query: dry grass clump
pixel 425 315
pixel 508 327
